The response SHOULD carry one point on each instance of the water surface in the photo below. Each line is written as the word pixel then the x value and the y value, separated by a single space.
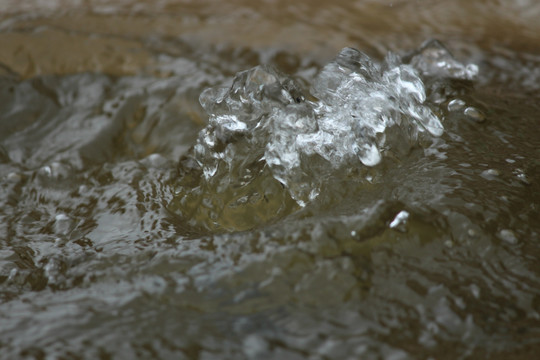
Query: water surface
pixel 120 238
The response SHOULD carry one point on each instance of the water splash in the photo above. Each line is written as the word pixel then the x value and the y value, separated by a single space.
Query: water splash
pixel 360 111
pixel 433 59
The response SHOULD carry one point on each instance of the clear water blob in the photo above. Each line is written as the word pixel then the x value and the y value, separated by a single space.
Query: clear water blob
pixel 456 105
pixel 474 114
pixel 265 141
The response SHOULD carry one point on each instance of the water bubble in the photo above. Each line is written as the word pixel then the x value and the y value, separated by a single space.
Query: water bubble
pixel 370 156
pixel 400 221
pixel 508 236
pixel 490 174
pixel 456 105
pixel 474 114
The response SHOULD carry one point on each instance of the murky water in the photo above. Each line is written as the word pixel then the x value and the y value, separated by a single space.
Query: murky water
pixel 344 206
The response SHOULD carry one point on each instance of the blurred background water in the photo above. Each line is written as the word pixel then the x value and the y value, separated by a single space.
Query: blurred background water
pixel 106 253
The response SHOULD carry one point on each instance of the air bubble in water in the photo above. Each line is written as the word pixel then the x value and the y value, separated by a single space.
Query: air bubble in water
pixel 474 114
pixel 456 105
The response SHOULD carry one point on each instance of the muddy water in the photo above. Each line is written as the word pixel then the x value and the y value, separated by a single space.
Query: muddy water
pixel 114 244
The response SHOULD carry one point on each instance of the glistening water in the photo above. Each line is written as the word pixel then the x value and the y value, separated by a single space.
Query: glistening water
pixel 269 180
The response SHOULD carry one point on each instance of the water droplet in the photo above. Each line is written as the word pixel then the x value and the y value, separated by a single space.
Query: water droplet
pixel 508 236
pixel 474 114
pixel 456 105
pixel 400 221
pixel 370 156
pixel 490 174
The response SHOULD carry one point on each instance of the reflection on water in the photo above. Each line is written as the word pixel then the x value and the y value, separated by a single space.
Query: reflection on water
pixel 430 252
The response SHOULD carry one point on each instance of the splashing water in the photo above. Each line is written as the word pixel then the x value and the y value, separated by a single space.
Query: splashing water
pixel 431 253
pixel 263 133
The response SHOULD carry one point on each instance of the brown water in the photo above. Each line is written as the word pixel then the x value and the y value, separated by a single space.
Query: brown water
pixel 103 255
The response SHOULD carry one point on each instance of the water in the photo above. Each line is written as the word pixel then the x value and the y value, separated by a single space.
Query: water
pixel 320 204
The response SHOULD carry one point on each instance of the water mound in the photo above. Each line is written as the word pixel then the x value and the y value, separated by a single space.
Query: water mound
pixel 269 146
